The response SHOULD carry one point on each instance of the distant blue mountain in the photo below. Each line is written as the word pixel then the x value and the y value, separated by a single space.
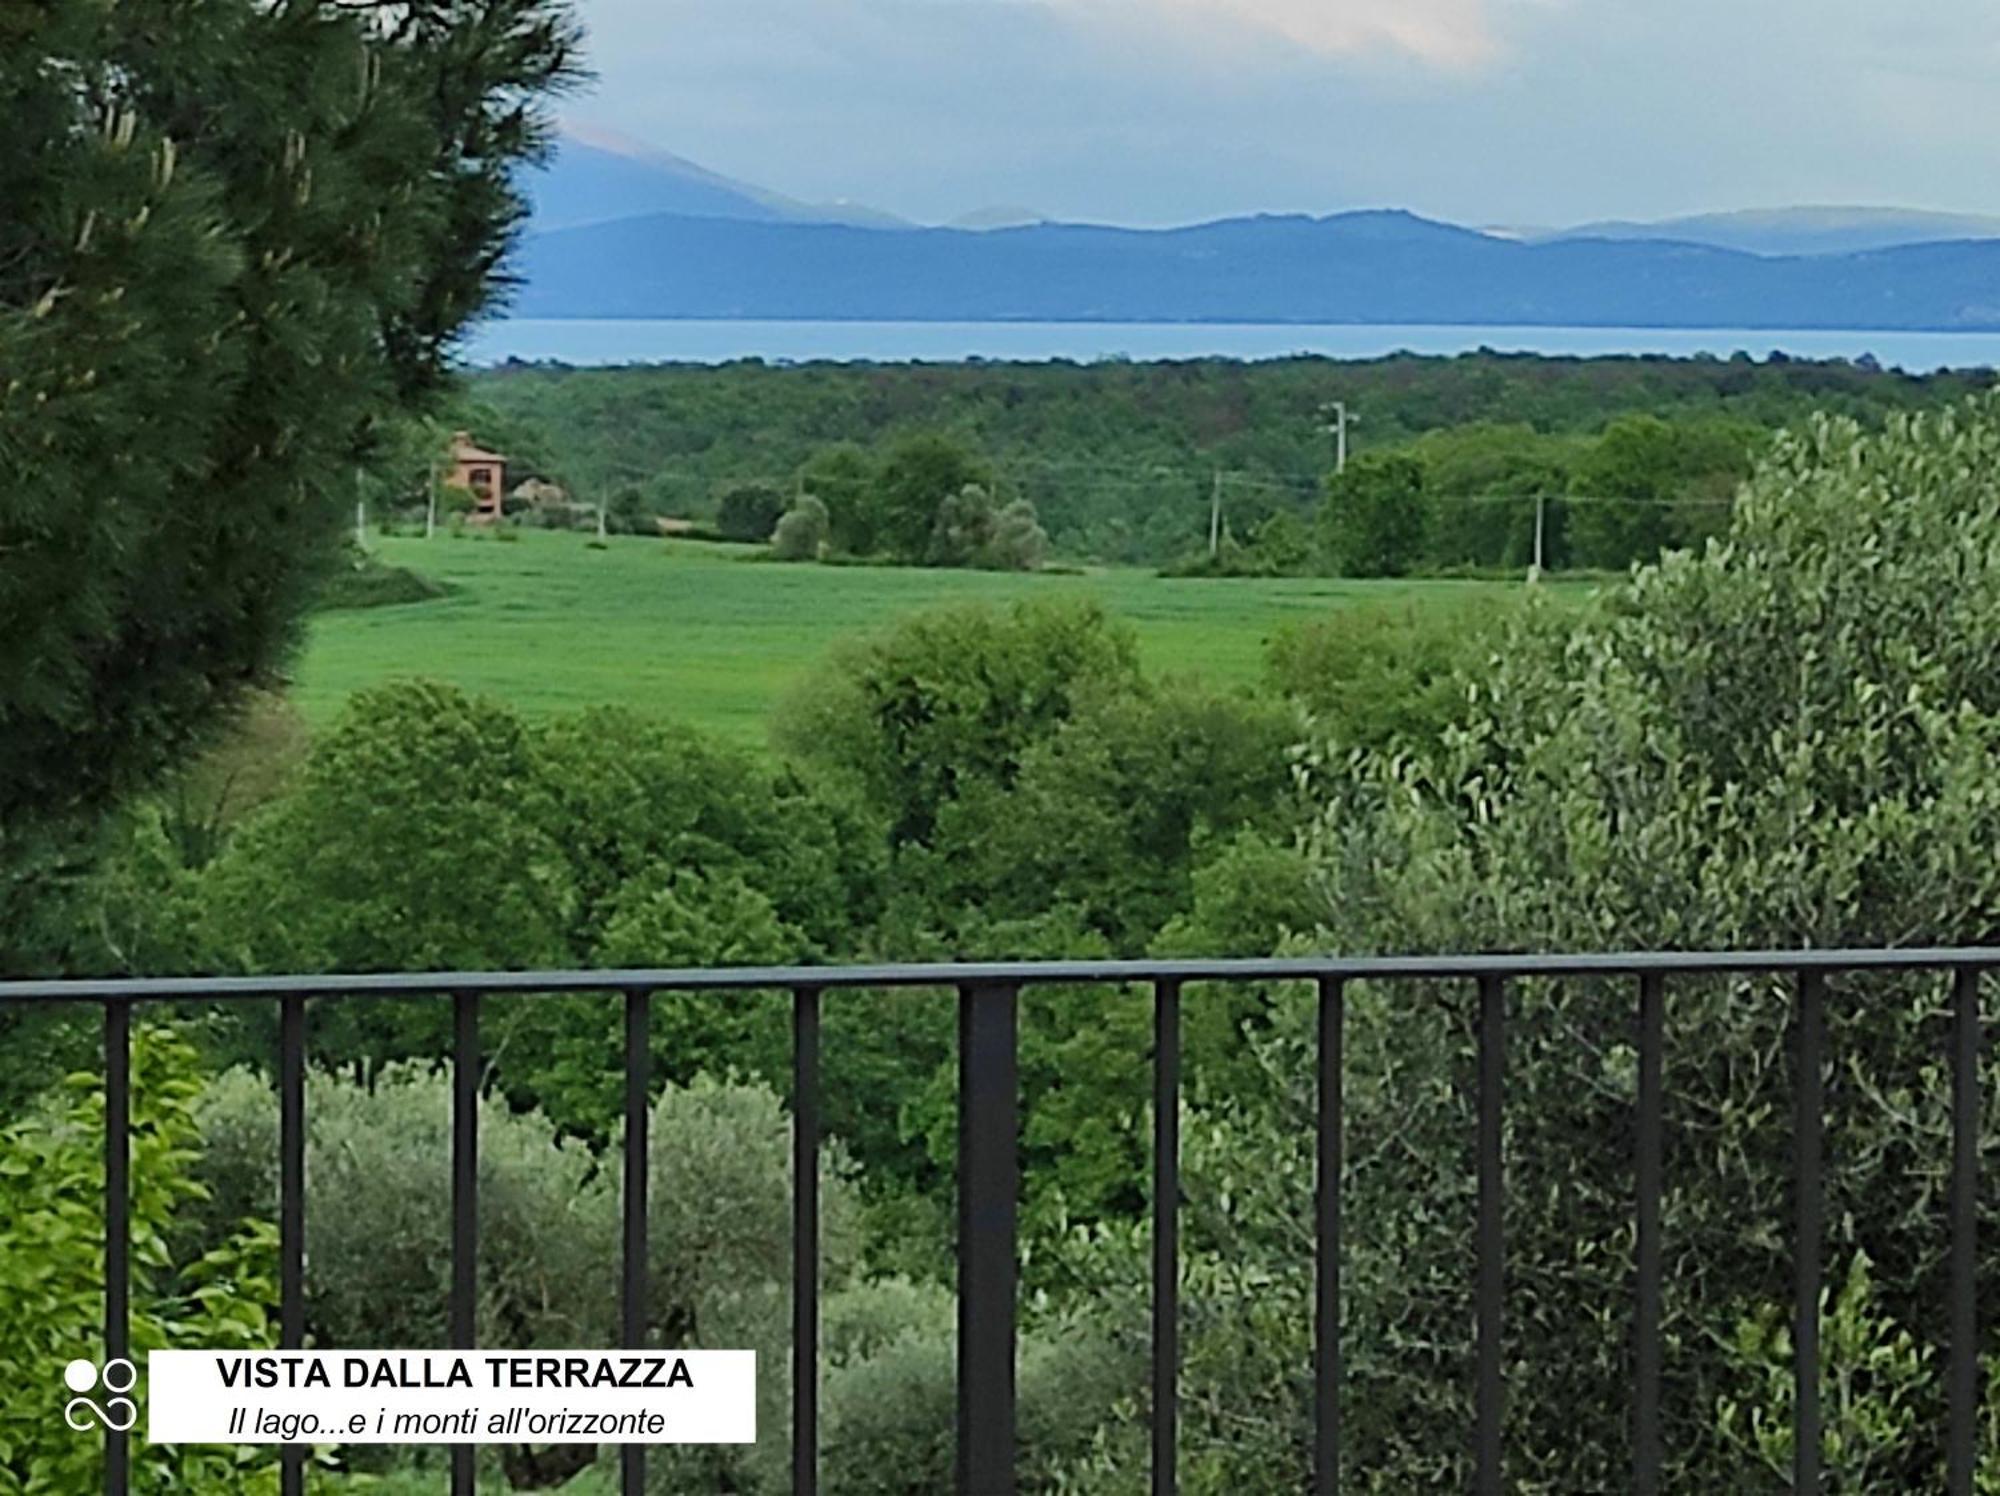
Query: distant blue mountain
pixel 1373 267
pixel 596 177
pixel 1796 231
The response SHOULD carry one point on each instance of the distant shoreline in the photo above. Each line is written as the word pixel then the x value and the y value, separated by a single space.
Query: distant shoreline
pixel 1764 330
pixel 607 341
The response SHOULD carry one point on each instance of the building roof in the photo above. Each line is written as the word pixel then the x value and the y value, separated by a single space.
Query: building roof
pixel 464 450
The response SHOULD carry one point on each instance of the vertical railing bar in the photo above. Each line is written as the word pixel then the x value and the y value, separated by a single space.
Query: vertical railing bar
pixel 988 1182
pixel 1964 1368
pixel 292 1206
pixel 1166 1232
pixel 1809 1186
pixel 1647 1450
pixel 1490 1395
pixel 464 1202
pixel 632 1296
pixel 117 1219
pixel 805 1241
pixel 1326 1336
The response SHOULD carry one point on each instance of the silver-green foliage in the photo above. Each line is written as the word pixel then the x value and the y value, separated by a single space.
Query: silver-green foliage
pixel 378 1260
pixel 719 1197
pixel 1788 739
pixel 378 1164
pixel 1879 1383
pixel 801 532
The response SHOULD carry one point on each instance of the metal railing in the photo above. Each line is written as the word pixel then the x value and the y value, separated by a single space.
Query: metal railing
pixel 988 1173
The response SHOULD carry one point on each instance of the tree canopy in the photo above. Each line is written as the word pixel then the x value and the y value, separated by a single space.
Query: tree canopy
pixel 1785 740
pixel 219 282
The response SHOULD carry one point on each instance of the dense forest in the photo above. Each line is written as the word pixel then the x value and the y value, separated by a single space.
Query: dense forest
pixel 1126 462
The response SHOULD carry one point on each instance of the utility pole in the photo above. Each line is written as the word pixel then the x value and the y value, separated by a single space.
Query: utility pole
pixel 600 521
pixel 431 499
pixel 1215 516
pixel 360 514
pixel 1337 419
pixel 1541 505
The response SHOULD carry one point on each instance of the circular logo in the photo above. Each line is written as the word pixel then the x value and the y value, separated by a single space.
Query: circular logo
pixel 117 1412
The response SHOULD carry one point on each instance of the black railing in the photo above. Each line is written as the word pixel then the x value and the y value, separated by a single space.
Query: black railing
pixel 988 1173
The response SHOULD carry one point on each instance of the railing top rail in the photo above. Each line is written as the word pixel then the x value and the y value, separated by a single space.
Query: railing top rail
pixel 1008 973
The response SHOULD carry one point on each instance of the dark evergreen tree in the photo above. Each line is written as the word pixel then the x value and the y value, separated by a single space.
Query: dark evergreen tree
pixel 239 239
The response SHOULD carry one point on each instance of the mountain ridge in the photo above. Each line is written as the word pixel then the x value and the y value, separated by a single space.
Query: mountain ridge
pixel 1800 230
pixel 599 176
pixel 1380 266
pixel 622 230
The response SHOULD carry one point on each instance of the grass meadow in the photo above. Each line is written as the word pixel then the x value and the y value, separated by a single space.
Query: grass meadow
pixel 709 635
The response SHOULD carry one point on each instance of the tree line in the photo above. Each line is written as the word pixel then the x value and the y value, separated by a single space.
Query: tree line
pixel 925 500
pixel 1488 499
pixel 1483 499
pixel 1119 459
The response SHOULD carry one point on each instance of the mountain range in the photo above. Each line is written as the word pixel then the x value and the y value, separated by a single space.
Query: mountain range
pixel 598 175
pixel 1792 231
pixel 621 230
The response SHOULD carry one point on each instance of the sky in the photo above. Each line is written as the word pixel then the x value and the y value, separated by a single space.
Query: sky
pixel 1492 112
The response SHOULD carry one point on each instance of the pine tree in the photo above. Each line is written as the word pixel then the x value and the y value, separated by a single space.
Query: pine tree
pixel 237 241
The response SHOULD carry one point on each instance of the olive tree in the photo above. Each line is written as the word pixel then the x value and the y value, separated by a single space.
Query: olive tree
pixel 1787 740
pixel 719 1199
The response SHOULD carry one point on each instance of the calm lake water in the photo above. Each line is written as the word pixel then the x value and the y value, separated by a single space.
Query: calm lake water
pixel 634 342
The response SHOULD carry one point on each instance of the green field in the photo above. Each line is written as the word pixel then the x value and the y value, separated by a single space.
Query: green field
pixel 705 635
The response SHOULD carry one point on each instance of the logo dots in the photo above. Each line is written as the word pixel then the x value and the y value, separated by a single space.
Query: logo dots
pixel 117 1412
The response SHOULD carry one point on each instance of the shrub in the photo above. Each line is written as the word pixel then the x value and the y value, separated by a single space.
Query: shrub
pixel 748 512
pixel 627 512
pixel 891 1390
pixel 1017 542
pixel 801 534
pixel 1374 674
pixel 378 1259
pixel 364 581
pixel 52 1272
pixel 1247 1317
pixel 719 1193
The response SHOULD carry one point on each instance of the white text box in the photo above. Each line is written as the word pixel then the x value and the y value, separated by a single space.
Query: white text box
pixel 451 1397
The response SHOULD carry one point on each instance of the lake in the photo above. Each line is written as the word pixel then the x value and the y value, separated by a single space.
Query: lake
pixel 582 341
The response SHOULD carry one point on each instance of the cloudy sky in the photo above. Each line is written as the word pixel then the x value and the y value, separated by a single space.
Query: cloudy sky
pixel 1530 112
